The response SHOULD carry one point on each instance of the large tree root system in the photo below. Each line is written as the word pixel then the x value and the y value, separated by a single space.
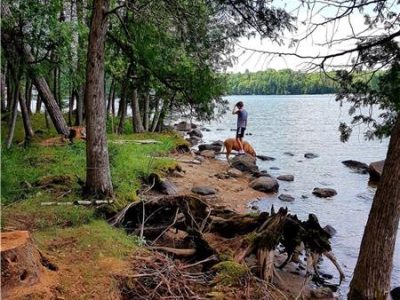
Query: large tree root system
pixel 196 246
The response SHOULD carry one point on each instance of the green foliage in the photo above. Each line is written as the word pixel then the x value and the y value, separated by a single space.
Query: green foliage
pixel 283 82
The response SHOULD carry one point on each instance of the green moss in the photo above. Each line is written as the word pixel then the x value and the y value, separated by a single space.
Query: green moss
pixel 230 273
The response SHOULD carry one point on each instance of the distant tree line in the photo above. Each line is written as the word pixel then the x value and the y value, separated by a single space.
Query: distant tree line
pixel 281 82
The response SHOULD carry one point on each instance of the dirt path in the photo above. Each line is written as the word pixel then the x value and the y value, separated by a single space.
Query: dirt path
pixel 232 192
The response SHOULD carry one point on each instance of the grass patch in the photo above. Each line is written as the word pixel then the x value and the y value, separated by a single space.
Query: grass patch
pixel 97 237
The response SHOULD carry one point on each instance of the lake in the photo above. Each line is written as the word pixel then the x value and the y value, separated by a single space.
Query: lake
pixel 309 123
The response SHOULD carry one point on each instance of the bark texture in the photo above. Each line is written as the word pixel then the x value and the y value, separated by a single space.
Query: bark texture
pixel 136 119
pixel 98 177
pixel 372 274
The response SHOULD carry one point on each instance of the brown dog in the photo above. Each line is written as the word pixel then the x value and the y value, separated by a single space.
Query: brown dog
pixel 232 144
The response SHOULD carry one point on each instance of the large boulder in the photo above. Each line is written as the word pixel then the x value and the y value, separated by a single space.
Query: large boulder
pixel 216 146
pixel 357 166
pixel 235 173
pixel 196 132
pixel 375 170
pixel 204 190
pixel 183 126
pixel 324 192
pixel 285 177
pixel 265 184
pixel 286 198
pixel 244 163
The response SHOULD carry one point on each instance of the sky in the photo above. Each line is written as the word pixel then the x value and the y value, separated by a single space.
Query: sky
pixel 315 44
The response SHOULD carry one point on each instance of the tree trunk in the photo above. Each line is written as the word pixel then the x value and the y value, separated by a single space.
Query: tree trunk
pixel 372 274
pixel 28 95
pixel 110 93
pixel 39 82
pixel 80 65
pixel 3 92
pixel 122 109
pixel 156 116
pixel 146 111
pixel 136 119
pixel 25 117
pixel 38 103
pixel 71 107
pixel 13 119
pixel 98 177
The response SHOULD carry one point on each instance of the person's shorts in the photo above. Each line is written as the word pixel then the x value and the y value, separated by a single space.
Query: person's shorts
pixel 240 132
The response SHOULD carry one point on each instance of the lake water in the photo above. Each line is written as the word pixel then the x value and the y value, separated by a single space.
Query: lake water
pixel 309 123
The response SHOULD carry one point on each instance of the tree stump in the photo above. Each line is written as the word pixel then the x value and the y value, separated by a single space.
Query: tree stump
pixel 21 262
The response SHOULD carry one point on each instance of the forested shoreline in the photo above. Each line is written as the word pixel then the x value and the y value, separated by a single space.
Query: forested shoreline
pixel 285 82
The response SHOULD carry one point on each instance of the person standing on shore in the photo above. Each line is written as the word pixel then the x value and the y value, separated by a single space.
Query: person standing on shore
pixel 241 123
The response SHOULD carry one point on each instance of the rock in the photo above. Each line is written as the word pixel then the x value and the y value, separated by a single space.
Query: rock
pixel 286 177
pixel 222 175
pixel 168 188
pixel 375 170
pixel 395 293
pixel 288 153
pixel 194 140
pixel 204 190
pixel 214 146
pixel 183 126
pixel 244 163
pixel 208 153
pixel 324 192
pixel 177 174
pixel 265 184
pixel 274 168
pixel 193 126
pixel 286 198
pixel 220 129
pixel 310 155
pixel 196 132
pixel 357 166
pixel 330 230
pixel 235 173
pixel 200 158
pixel 205 129
pixel 304 197
pixel 265 158
pixel 262 173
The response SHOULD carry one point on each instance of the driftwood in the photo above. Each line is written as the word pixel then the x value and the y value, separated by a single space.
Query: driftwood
pixel 258 234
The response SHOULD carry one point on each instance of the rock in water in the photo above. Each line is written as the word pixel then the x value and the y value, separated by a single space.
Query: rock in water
pixel 244 163
pixel 216 146
pixel 288 153
pixel 375 170
pixel 196 132
pixel 204 190
pixel 357 166
pixel 286 177
pixel 265 184
pixel 324 192
pixel 183 126
pixel 310 155
pixel 265 158
pixel 286 198
pixel 395 293
pixel 330 230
